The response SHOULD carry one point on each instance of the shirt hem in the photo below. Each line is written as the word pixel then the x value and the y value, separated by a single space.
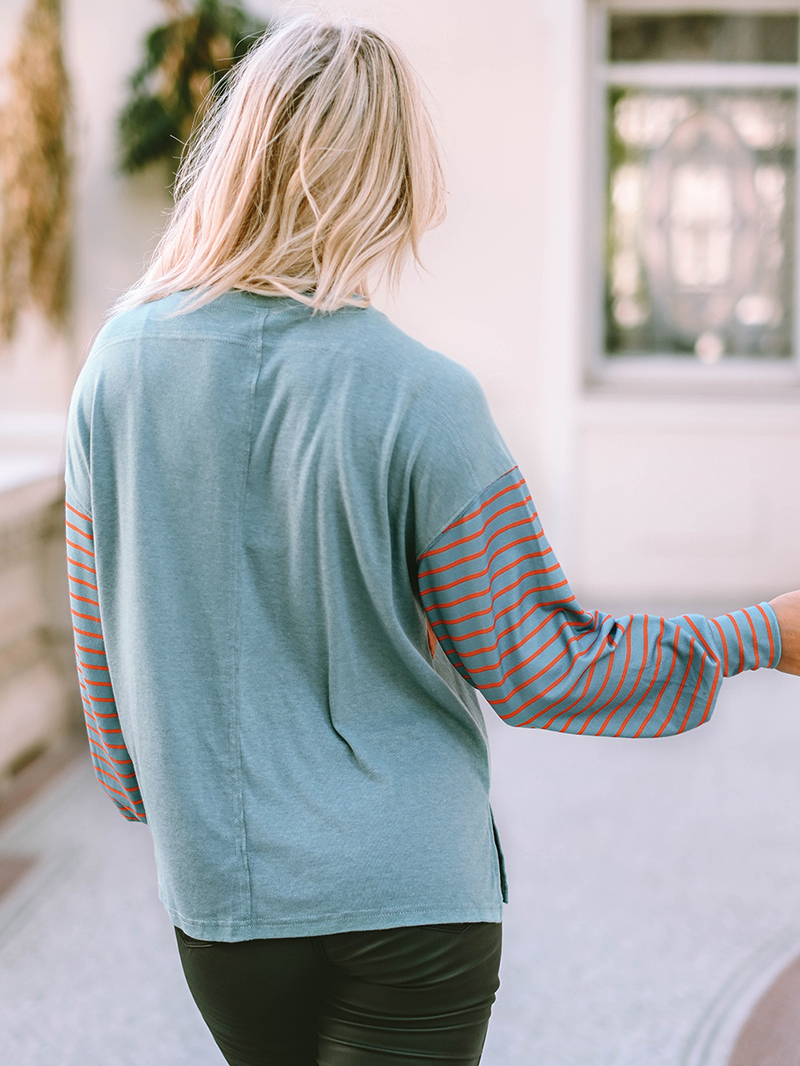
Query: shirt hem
pixel 233 929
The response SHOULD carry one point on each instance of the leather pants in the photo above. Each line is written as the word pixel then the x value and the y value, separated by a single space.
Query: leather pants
pixel 412 996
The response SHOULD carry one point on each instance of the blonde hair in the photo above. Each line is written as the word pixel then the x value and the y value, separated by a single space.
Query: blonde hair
pixel 316 168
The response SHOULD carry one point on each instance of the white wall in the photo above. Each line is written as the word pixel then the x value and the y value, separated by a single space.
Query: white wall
pixel 114 221
pixel 501 267
pixel 681 497
pixel 647 501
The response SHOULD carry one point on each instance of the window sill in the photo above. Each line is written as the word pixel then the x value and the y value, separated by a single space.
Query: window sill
pixel 664 378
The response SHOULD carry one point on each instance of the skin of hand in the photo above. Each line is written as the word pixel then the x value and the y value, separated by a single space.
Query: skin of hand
pixel 787 611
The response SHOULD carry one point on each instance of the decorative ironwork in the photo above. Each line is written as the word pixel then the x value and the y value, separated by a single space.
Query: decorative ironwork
pixel 700 222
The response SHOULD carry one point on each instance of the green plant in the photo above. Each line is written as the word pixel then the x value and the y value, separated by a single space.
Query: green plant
pixel 184 59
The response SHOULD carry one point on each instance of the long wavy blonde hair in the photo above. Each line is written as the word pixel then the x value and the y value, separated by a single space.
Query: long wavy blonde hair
pixel 315 172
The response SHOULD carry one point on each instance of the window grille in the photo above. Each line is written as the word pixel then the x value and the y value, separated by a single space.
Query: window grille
pixel 698 113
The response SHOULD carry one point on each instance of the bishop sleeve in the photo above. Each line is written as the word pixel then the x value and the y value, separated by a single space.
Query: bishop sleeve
pixel 110 757
pixel 502 610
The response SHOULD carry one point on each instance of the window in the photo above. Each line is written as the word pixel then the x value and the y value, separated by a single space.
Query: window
pixel 697 114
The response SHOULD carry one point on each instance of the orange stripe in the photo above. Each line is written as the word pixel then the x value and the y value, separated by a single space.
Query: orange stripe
pixel 89 536
pixel 557 682
pixel 93 651
pixel 654 708
pixel 84 599
pixel 497 573
pixel 482 573
pixel 755 639
pixel 614 695
pixel 91 617
pixel 78 581
pixel 604 644
pixel 578 713
pixel 80 549
pixel 83 566
pixel 479 532
pixel 724 646
pixel 700 636
pixel 637 682
pixel 124 796
pixel 121 778
pixel 517 625
pixel 539 696
pixel 551 686
pixel 117 762
pixel 497 595
pixel 78 513
pixel 501 682
pixel 569 691
pixel 769 634
pixel 500 614
pixel 687 671
pixel 539 650
pixel 479 614
pixel 477 555
pixel 697 687
pixel 110 788
pixel 100 758
pixel 575 703
pixel 486 591
pixel 86 633
pixel 519 666
pixel 104 759
pixel 712 693
pixel 566 710
pixel 739 639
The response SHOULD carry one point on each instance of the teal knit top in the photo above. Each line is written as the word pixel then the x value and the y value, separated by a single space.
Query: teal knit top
pixel 297 548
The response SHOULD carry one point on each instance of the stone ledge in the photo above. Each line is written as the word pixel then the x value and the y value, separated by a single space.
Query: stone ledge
pixel 22 782
pixel 39 699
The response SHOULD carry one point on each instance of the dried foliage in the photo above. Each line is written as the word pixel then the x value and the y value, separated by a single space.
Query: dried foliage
pixel 184 58
pixel 35 215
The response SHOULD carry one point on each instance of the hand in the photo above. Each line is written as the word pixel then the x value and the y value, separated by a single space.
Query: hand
pixel 787 611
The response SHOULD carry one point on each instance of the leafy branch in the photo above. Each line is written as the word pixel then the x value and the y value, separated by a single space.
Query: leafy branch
pixel 183 61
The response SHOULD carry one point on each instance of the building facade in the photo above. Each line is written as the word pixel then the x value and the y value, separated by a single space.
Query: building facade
pixel 619 175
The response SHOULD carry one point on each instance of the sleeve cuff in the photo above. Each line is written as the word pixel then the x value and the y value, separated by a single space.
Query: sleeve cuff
pixel 750 638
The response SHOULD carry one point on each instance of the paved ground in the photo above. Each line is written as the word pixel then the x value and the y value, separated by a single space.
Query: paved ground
pixel 655 894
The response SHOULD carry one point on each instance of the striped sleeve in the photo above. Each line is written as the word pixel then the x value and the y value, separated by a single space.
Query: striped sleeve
pixel 502 610
pixel 112 762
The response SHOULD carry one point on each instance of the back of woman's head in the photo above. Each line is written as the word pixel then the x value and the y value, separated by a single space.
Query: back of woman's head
pixel 315 170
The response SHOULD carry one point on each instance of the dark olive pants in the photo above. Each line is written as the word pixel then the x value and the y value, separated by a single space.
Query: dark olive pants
pixel 416 996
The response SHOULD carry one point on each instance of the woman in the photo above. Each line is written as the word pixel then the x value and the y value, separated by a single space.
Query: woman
pixel 297 546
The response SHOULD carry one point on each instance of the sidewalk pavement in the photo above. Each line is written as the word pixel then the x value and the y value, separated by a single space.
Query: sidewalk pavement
pixel 655 894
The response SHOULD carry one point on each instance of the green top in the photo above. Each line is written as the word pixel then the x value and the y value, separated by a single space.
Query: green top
pixel 253 492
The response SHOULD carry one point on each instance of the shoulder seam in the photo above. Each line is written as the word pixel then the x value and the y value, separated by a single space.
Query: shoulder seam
pixel 416 385
pixel 72 497
pixel 101 346
pixel 464 509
